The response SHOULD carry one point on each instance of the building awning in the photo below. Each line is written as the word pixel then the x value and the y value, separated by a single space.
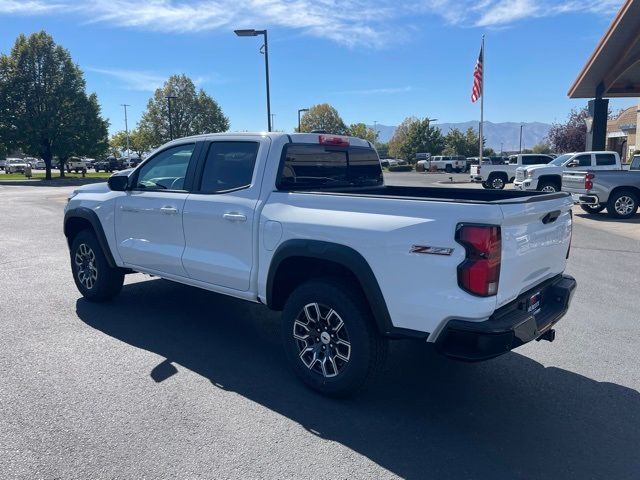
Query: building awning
pixel 613 70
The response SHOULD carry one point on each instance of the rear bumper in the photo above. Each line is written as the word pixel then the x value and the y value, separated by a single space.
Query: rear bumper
pixel 510 326
pixel 582 199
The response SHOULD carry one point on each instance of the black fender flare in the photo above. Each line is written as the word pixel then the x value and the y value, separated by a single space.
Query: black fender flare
pixel 91 217
pixel 353 261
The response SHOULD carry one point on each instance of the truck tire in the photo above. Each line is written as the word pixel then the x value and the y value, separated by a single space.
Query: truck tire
pixel 94 278
pixel 548 187
pixel 497 181
pixel 486 185
pixel 330 338
pixel 622 204
pixel 593 208
pixel 448 168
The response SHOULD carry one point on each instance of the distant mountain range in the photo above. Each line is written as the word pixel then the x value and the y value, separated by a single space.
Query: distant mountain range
pixel 505 134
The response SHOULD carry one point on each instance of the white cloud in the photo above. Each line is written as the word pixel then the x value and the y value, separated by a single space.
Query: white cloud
pixel 131 79
pixel 27 7
pixel 371 23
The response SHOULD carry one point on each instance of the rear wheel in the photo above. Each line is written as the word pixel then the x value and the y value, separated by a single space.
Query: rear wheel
pixel 448 168
pixel 593 208
pixel 94 278
pixel 497 182
pixel 622 204
pixel 330 338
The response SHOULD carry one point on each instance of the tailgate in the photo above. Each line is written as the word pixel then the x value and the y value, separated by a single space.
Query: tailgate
pixel 535 240
pixel 475 170
pixel 573 182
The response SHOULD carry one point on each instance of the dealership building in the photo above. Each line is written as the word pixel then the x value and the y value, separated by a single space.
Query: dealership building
pixel 612 71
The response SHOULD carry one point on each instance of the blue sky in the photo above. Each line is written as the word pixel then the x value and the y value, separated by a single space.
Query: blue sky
pixel 374 60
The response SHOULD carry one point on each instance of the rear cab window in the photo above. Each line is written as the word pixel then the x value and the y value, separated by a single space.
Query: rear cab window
pixel 315 166
pixel 603 159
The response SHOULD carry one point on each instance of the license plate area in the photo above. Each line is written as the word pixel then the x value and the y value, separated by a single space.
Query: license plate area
pixel 533 304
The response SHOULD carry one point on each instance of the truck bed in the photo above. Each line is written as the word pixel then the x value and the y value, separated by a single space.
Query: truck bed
pixel 443 194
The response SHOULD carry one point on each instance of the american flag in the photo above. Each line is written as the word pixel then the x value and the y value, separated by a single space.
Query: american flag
pixel 476 91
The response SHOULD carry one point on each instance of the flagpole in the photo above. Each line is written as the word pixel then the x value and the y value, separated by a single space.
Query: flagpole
pixel 480 127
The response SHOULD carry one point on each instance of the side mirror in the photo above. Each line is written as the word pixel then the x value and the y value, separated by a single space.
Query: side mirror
pixel 573 164
pixel 118 183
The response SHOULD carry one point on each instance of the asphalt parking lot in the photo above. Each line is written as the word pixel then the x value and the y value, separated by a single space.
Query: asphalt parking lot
pixel 169 381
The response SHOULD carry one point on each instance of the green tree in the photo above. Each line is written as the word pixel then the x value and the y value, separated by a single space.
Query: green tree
pixel 192 113
pixel 383 150
pixel 360 130
pixel 44 107
pixel 323 117
pixel 141 141
pixel 542 147
pixel 458 143
pixel 415 135
pixel 118 143
pixel 400 136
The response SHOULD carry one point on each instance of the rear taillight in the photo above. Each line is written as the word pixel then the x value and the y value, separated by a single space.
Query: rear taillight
pixel 478 169
pixel 479 274
pixel 588 181
pixel 335 140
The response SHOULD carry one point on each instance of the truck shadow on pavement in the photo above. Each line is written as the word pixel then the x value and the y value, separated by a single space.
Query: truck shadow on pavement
pixel 603 217
pixel 426 416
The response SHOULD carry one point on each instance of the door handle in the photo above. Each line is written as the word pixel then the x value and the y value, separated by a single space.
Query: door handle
pixel 169 210
pixel 235 217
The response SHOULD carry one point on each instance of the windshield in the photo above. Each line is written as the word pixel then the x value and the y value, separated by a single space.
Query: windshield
pixel 561 159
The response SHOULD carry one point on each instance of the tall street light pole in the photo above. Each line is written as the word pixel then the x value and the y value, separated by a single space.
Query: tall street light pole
pixel 169 98
pixel 126 128
pixel 300 110
pixel 521 125
pixel 265 51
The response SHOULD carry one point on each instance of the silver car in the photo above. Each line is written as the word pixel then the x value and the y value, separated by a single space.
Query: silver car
pixel 15 165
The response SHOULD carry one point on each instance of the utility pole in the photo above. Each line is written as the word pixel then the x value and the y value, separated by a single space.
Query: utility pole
pixel 169 98
pixel 126 128
pixel 521 125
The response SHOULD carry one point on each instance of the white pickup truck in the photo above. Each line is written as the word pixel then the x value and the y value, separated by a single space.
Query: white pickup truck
pixel 497 176
pixel 304 223
pixel 447 163
pixel 548 178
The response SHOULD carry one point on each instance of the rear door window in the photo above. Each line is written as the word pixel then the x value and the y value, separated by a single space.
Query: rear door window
pixel 605 159
pixel 229 166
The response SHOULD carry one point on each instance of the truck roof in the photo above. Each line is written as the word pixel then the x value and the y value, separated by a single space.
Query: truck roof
pixel 293 137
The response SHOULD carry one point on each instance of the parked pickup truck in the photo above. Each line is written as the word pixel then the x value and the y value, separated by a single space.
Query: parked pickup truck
pixel 304 224
pixel 76 164
pixel 616 190
pixel 548 178
pixel 497 176
pixel 454 163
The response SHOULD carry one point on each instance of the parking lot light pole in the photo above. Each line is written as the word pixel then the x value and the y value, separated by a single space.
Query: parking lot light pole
pixel 300 110
pixel 126 127
pixel 521 125
pixel 169 98
pixel 265 51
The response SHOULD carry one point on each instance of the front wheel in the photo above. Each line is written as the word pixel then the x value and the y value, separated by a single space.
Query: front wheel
pixel 96 280
pixel 330 338
pixel 623 204
pixel 548 187
pixel 593 208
